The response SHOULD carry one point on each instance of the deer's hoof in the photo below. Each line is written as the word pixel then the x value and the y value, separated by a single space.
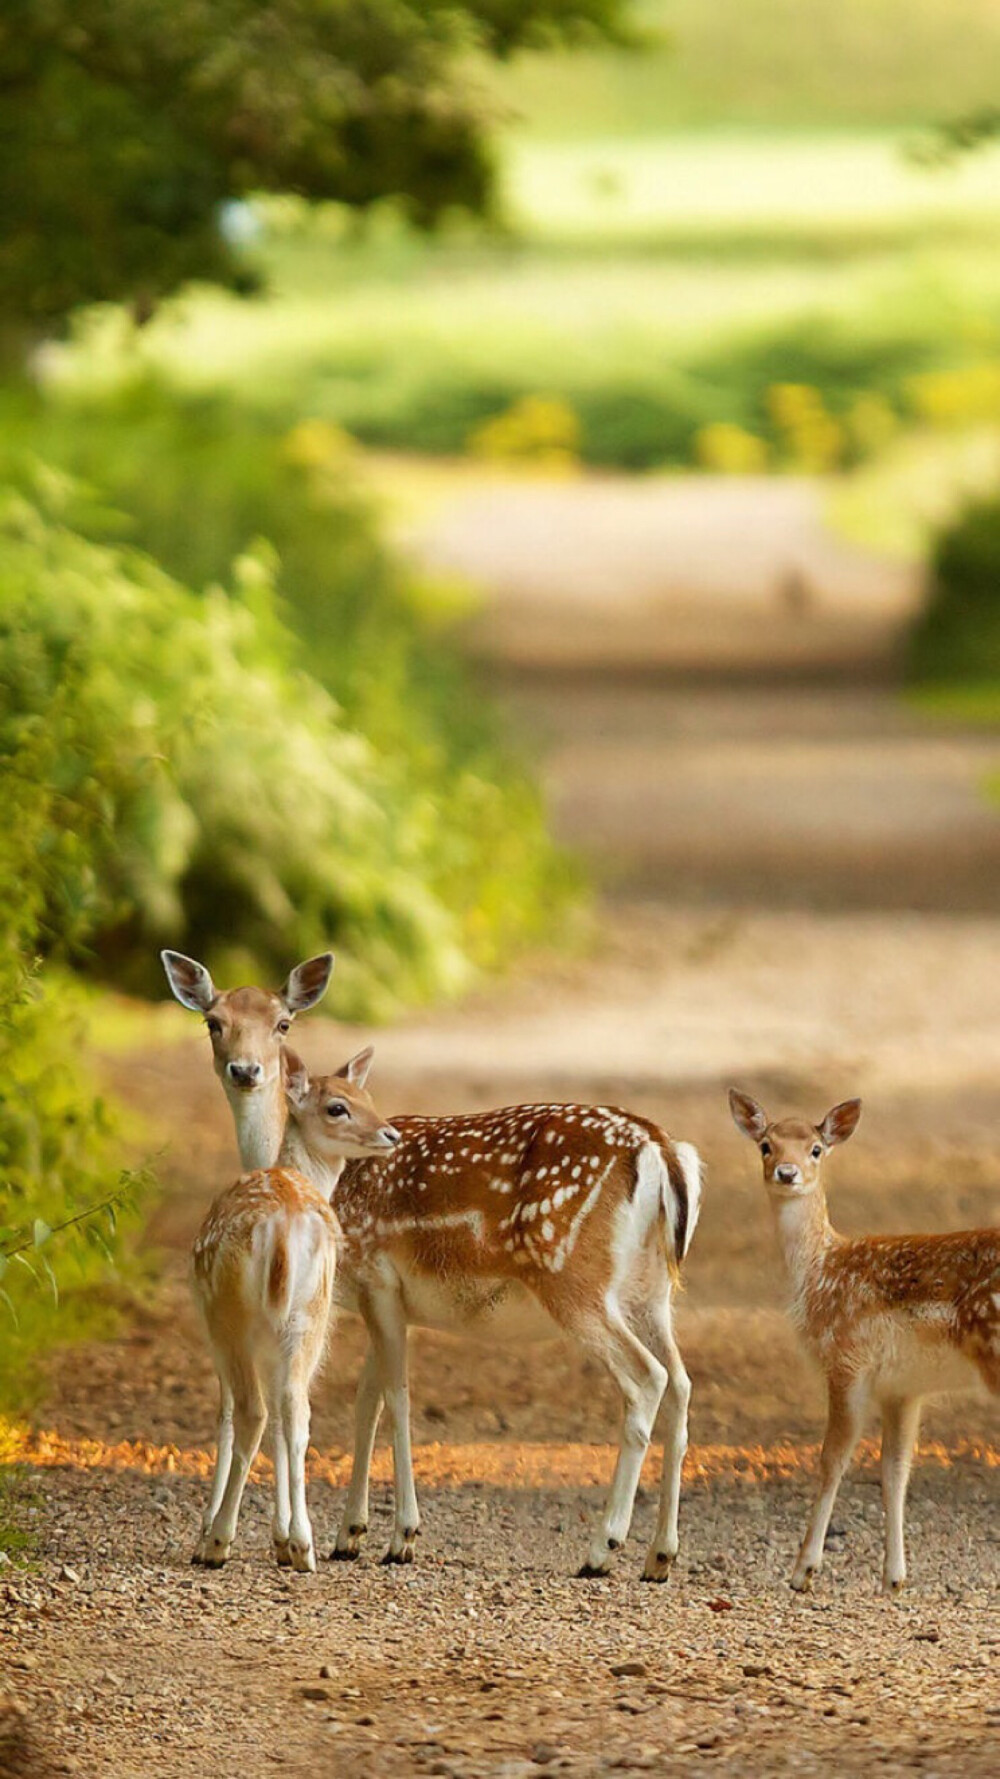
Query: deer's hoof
pixel 395 1558
pixel 802 1580
pixel 659 1565
pixel 282 1553
pixel 302 1558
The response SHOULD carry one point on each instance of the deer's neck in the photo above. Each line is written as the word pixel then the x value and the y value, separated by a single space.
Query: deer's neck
pixel 804 1234
pixel 261 1119
pixel 296 1153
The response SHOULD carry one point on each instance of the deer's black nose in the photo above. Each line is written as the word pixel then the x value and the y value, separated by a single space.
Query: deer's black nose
pixel 786 1173
pixel 244 1074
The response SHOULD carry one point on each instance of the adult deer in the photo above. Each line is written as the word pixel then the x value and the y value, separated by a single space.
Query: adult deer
pixel 891 1319
pixel 264 1265
pixel 519 1223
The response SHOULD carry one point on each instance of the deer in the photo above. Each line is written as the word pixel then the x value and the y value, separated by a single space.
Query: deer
pixel 521 1223
pixel 892 1320
pixel 263 1269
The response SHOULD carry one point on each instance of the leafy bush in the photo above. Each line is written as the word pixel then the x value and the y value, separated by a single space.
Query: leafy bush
pixel 958 636
pixel 229 805
pixel 57 1136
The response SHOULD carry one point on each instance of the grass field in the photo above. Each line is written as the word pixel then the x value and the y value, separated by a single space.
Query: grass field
pixel 762 63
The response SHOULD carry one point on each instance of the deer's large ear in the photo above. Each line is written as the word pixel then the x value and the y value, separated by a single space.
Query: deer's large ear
pixel 748 1116
pixel 190 981
pixel 840 1123
pixel 308 983
pixel 296 1077
pixel 356 1071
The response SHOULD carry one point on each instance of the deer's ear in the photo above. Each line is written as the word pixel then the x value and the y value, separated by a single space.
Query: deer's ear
pixel 296 1077
pixel 356 1071
pixel 748 1116
pixel 190 981
pixel 308 983
pixel 840 1123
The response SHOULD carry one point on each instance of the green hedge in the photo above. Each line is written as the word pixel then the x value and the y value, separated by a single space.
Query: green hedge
pixel 957 638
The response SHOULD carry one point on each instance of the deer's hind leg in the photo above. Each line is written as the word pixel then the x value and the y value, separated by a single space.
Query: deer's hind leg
pixel 641 1379
pixel 655 1324
pixel 223 1460
pixel 249 1418
pixel 900 1421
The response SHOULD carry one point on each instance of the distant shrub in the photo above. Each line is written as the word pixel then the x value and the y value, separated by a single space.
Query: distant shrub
pixel 958 397
pixel 958 635
pixel 730 450
pixel 540 430
pixel 810 439
pixel 238 810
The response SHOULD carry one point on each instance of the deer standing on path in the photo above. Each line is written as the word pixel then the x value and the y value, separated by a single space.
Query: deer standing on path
pixel 265 1260
pixel 519 1223
pixel 891 1319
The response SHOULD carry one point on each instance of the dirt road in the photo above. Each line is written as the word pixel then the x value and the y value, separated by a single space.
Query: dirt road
pixel 800 894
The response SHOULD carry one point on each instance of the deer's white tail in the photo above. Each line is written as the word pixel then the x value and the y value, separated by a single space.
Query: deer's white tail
pixel 680 1198
pixel 290 1269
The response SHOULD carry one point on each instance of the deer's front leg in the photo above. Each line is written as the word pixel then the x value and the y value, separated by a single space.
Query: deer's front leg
pixel 847 1405
pixel 367 1409
pixel 387 1328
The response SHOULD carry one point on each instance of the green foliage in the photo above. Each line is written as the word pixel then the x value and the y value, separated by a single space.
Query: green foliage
pixel 126 126
pixel 227 802
pixel 957 638
pixel 57 1136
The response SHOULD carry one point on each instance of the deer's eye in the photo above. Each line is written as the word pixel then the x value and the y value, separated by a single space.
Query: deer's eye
pixel 336 1109
pixel 817 1151
pixel 214 1027
pixel 284 1025
pixel 765 1150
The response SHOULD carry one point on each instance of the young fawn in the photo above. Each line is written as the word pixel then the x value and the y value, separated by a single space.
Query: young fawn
pixel 515 1224
pixel 891 1319
pixel 265 1259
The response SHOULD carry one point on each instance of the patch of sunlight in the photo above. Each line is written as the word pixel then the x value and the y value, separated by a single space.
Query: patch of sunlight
pixel 896 503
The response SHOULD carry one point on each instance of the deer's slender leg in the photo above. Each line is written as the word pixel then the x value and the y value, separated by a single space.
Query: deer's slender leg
pixel 641 1379
pixel 900 1421
pixel 248 1427
pixel 658 1326
pixel 367 1409
pixel 223 1460
pixel 387 1328
pixel 848 1403
pixel 282 1520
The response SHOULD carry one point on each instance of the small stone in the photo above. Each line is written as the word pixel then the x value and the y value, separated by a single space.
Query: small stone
pixel 70 1575
pixel 628 1670
pixel 316 1693
pixel 543 1753
pixel 326 1672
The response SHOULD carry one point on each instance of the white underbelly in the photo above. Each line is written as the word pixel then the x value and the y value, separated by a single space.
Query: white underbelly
pixel 486 1309
pixel 939 1371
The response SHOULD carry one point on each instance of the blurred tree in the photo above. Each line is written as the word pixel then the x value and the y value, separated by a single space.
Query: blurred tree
pixel 126 126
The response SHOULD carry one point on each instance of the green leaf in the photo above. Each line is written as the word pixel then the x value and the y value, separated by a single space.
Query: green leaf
pixel 23 1261
pixel 10 1306
pixel 4 1263
pixel 40 1231
pixel 50 1275
pixel 109 1211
